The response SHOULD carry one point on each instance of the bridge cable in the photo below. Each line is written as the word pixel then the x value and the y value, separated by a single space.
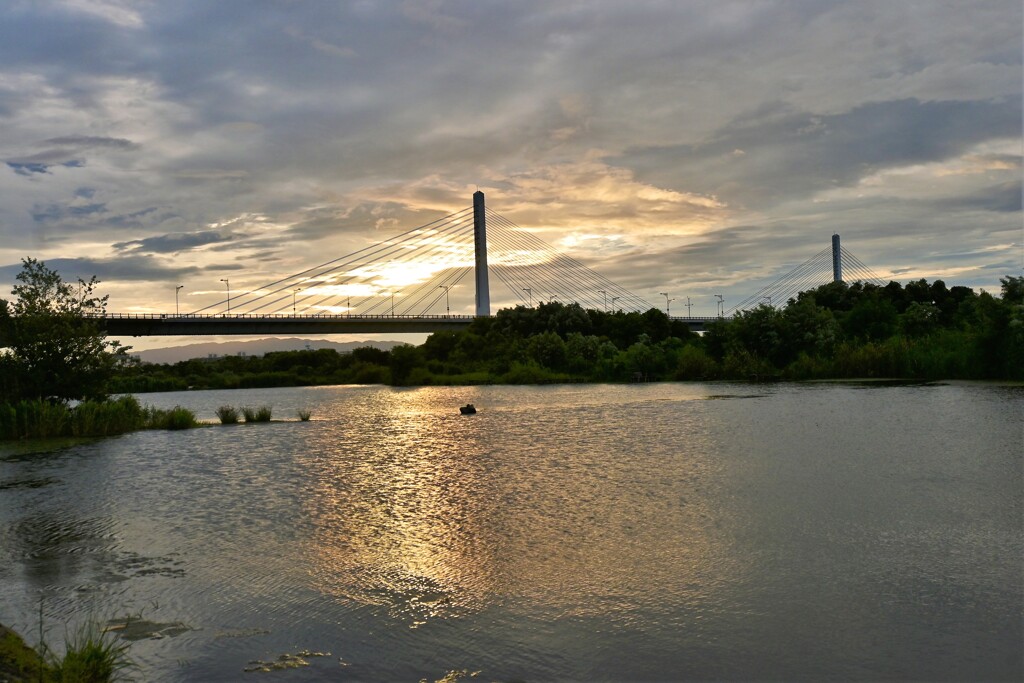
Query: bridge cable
pixel 294 276
pixel 384 249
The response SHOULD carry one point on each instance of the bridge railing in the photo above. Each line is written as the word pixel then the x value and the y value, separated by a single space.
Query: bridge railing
pixel 329 316
pixel 698 318
pixel 270 316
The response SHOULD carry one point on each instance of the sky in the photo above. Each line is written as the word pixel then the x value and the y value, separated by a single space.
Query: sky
pixel 685 147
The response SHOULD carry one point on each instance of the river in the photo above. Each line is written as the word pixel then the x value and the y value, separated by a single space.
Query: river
pixel 578 532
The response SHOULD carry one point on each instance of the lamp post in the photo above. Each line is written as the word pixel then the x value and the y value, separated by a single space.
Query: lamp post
pixel 529 293
pixel 689 311
pixel 668 303
pixel 176 290
pixel 348 307
pixel 392 304
pixel 447 308
pixel 294 292
pixel 614 299
pixel 228 285
pixel 721 305
pixel 601 291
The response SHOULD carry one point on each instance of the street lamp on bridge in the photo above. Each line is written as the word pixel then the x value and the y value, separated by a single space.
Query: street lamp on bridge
pixel 668 303
pixel 447 308
pixel 689 313
pixel 614 299
pixel 529 293
pixel 176 290
pixel 721 305
pixel 228 285
pixel 294 292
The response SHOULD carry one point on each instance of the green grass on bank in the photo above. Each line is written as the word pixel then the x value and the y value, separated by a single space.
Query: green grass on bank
pixel 90 656
pixel 41 419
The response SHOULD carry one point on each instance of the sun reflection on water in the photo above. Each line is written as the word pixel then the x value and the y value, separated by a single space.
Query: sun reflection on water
pixel 397 515
pixel 432 515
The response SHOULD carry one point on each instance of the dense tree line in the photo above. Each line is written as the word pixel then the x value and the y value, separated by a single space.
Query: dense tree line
pixel 920 330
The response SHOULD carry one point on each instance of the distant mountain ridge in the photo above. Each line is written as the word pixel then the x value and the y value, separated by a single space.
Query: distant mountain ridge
pixel 256 347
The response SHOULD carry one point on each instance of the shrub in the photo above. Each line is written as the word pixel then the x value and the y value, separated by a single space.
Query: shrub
pixel 175 418
pixel 261 414
pixel 228 415
pixel 304 415
pixel 694 363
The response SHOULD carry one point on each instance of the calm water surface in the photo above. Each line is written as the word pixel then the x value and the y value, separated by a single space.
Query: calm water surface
pixel 656 532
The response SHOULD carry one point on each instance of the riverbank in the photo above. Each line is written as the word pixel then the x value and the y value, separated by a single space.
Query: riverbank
pixel 20 663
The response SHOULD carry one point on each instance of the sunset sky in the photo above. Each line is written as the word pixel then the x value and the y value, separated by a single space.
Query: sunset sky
pixel 689 147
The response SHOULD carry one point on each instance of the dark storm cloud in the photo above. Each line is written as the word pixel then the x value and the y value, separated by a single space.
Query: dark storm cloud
pixel 133 268
pixel 169 244
pixel 93 142
pixel 66 151
pixel 134 219
pixel 52 213
pixel 28 168
pixel 1003 198
pixel 776 154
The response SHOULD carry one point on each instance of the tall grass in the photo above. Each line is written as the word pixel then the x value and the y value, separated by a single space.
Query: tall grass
pixel 228 415
pixel 105 418
pixel 92 656
pixel 41 419
pixel 34 420
pixel 261 414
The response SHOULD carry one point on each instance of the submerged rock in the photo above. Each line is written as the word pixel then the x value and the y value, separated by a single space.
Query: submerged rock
pixel 285 661
pixel 140 629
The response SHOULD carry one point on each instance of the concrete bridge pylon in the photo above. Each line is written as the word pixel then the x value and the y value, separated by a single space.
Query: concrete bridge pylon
pixel 483 291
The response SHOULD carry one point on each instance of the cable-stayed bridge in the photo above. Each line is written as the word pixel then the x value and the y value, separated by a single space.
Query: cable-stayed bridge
pixel 403 284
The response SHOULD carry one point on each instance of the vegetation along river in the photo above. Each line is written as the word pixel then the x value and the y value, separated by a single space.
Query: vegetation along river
pixel 574 532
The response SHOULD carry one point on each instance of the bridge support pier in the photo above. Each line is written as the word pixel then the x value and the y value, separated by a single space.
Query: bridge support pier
pixel 483 291
pixel 837 260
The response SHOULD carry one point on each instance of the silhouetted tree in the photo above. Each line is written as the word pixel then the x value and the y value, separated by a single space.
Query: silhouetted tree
pixel 55 351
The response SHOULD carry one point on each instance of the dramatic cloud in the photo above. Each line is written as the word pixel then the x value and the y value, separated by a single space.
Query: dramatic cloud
pixel 697 147
pixel 169 244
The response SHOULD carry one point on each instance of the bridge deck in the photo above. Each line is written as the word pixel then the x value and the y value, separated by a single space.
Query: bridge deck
pixel 161 324
pixel 154 324
pixel 165 324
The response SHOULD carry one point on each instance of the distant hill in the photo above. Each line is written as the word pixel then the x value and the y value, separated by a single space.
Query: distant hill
pixel 257 347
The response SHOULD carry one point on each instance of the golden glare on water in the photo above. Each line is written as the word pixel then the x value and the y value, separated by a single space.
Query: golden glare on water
pixel 396 523
pixel 435 517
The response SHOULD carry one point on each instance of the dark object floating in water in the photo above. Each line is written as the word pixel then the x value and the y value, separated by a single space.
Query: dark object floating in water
pixel 468 409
